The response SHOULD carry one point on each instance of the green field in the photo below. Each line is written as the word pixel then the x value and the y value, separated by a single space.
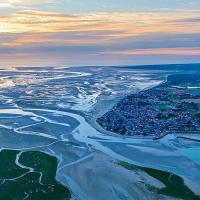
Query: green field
pixel 164 107
pixel 174 185
pixel 31 177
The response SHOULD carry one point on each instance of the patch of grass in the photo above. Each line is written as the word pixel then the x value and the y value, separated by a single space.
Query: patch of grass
pixel 8 168
pixel 164 107
pixel 174 185
pixel 174 100
pixel 37 185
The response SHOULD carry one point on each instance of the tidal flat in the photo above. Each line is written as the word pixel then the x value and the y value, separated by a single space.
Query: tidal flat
pixel 51 145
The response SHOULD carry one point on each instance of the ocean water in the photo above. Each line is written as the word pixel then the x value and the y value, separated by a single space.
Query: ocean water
pixel 53 110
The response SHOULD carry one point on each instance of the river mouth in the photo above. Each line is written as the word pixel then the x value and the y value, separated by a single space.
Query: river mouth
pixel 52 111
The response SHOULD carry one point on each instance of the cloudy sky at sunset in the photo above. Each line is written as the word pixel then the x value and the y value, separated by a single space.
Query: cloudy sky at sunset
pixel 110 32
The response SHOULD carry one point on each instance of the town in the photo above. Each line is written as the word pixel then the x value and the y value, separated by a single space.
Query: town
pixel 154 112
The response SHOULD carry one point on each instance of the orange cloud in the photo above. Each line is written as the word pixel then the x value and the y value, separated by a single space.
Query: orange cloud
pixel 128 23
pixel 48 34
pixel 160 51
pixel 37 25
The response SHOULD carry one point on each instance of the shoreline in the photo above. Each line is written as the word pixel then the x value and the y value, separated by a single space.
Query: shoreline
pixel 100 128
pixel 93 121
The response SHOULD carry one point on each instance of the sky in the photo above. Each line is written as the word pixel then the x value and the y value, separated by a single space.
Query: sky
pixel 110 32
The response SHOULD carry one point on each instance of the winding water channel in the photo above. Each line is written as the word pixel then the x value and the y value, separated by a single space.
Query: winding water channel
pixel 53 110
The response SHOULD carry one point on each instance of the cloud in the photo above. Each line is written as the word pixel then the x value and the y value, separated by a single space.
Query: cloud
pixel 123 24
pixel 16 4
pixel 189 20
pixel 96 37
pixel 158 51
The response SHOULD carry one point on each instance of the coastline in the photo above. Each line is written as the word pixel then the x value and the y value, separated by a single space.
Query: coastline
pixel 93 120
pixel 98 126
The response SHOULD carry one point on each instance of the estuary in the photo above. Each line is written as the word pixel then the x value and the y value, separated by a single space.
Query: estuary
pixel 51 144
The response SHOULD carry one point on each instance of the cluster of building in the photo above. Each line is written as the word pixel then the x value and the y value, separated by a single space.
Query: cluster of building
pixel 153 112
